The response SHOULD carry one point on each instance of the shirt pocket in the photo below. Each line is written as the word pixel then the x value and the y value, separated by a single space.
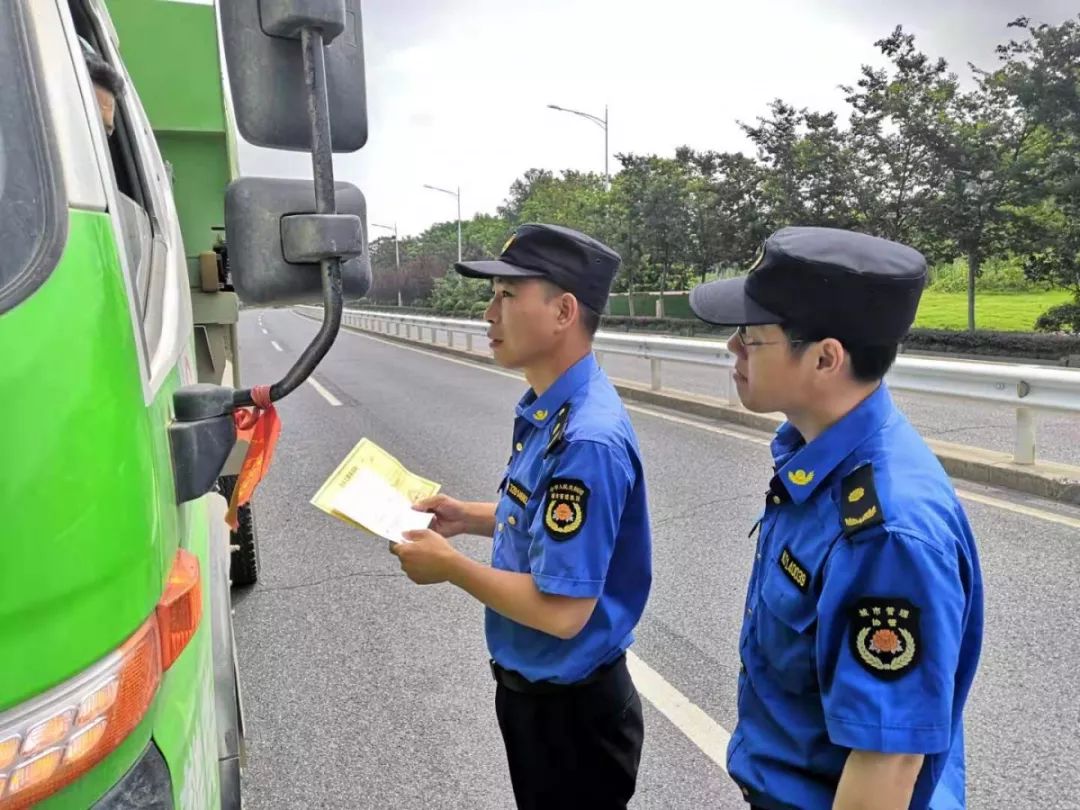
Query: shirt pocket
pixel 785 630
pixel 512 538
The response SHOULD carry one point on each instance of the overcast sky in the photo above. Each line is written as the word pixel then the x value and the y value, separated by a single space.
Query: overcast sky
pixel 457 89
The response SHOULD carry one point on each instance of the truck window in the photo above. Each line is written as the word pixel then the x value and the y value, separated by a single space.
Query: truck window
pixel 132 169
pixel 31 214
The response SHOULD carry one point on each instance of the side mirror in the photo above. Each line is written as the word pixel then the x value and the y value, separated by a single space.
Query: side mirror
pixel 296 68
pixel 276 244
pixel 268 77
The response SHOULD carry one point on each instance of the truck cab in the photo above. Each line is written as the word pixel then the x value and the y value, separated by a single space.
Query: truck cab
pixel 119 381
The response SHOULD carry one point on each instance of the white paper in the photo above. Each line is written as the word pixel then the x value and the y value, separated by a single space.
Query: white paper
pixel 372 502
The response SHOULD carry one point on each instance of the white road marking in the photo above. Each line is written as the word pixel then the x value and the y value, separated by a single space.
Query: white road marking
pixel 265 332
pixel 324 393
pixel 704 732
pixel 986 500
pixel 1020 509
pixel 274 343
pixel 734 434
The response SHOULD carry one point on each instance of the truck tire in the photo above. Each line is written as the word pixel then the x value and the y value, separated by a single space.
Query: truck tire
pixel 244 565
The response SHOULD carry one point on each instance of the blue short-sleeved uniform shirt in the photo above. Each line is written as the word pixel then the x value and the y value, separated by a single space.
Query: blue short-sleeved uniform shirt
pixel 864 615
pixel 572 512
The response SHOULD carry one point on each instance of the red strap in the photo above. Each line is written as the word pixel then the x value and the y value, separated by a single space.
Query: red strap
pixel 262 427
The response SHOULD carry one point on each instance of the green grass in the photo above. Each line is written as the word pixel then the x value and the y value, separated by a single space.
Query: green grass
pixel 1006 312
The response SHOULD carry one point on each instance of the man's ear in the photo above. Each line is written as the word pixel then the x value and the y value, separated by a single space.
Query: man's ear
pixel 568 309
pixel 830 356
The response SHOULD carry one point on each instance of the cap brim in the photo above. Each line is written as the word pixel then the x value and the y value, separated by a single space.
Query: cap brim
pixel 725 303
pixel 494 269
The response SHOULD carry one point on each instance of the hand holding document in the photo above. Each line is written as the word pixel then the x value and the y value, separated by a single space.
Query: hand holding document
pixel 371 490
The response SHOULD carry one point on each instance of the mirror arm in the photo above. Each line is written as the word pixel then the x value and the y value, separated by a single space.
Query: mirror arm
pixel 323 169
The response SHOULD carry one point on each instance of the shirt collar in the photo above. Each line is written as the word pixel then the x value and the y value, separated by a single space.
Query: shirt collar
pixel 800 468
pixel 540 410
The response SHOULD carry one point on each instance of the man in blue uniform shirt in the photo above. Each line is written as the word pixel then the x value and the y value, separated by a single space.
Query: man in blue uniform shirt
pixel 864 612
pixel 571 562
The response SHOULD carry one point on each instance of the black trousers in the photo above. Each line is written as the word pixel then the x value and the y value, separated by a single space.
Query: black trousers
pixel 577 747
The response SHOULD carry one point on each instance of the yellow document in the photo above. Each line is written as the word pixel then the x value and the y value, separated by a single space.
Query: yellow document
pixel 371 490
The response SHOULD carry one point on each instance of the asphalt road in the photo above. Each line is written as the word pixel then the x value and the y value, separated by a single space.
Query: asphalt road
pixel 363 690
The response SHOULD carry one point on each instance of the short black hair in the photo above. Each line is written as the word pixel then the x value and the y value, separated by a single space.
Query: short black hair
pixel 868 363
pixel 103 74
pixel 590 320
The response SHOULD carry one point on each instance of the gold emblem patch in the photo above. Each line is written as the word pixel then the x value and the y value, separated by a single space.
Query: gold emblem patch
pixel 540 415
pixel 885 636
pixel 800 477
pixel 856 495
pixel 865 517
pixel 509 242
pixel 566 506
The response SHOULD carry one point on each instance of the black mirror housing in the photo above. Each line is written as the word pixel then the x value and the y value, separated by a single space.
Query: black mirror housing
pixel 266 71
pixel 268 224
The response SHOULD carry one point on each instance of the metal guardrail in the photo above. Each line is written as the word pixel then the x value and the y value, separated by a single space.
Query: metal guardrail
pixel 1027 388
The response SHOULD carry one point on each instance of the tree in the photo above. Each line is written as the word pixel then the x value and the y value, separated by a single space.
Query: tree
pixel 651 196
pixel 726 222
pixel 949 167
pixel 521 190
pixel 810 172
pixel 1041 73
pixel 575 200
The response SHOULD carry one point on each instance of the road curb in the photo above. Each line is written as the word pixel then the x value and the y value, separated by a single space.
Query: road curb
pixel 1057 482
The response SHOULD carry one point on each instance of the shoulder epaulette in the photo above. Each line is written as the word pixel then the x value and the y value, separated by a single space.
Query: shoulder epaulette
pixel 558 431
pixel 859 505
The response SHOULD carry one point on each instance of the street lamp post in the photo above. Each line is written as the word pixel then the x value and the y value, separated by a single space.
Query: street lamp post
pixel 600 122
pixel 458 195
pixel 397 257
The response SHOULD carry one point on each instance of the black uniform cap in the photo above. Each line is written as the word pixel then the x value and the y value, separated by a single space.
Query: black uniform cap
pixel 571 260
pixel 859 289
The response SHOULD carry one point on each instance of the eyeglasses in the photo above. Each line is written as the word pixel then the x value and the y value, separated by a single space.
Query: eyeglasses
pixel 748 343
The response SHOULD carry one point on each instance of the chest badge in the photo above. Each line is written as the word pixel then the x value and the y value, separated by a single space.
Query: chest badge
pixel 885 636
pixel 566 507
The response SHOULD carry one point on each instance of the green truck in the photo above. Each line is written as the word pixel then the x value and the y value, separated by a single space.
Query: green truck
pixel 125 258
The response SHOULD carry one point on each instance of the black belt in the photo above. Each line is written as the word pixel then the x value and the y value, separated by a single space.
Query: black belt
pixel 516 682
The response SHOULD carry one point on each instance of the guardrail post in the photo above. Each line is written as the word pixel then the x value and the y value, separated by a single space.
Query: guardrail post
pixel 468 341
pixel 434 335
pixel 599 358
pixel 1025 436
pixel 654 368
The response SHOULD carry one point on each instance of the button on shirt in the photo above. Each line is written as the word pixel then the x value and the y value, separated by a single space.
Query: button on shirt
pixel 572 513
pixel 864 615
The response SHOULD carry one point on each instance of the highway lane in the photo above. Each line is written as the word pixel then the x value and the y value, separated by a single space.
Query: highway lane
pixel 363 690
